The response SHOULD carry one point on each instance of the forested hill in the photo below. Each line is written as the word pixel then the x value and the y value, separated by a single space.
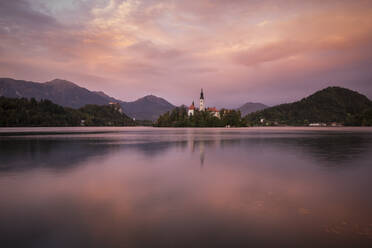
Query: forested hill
pixel 21 112
pixel 333 104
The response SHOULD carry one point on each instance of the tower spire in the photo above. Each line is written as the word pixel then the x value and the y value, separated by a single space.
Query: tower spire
pixel 202 107
pixel 201 94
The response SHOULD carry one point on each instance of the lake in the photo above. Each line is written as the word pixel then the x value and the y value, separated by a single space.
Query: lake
pixel 155 187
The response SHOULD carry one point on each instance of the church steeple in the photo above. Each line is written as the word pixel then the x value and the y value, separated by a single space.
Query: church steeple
pixel 201 94
pixel 202 107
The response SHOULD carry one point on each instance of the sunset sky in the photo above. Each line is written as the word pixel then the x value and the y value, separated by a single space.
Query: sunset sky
pixel 268 51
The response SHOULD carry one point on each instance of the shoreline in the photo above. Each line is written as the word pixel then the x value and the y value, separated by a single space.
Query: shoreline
pixel 14 131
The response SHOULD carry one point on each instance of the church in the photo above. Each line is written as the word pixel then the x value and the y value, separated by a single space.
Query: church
pixel 213 110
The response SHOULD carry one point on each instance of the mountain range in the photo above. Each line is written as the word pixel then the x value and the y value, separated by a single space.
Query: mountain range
pixel 69 94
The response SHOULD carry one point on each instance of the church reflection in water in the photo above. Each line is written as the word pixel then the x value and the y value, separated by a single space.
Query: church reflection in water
pixel 199 147
pixel 326 150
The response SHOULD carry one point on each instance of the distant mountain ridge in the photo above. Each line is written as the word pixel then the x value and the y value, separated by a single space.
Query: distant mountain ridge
pixel 68 94
pixel 147 108
pixel 332 104
pixel 251 107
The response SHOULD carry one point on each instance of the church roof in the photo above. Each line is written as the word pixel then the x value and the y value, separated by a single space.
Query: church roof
pixel 192 106
pixel 213 109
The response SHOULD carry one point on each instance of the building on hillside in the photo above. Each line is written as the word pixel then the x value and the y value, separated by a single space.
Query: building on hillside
pixel 191 109
pixel 116 106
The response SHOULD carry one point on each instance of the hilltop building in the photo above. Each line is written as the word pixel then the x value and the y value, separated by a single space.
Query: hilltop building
pixel 116 106
pixel 192 108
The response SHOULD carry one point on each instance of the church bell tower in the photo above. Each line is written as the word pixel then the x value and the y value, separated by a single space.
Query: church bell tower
pixel 202 106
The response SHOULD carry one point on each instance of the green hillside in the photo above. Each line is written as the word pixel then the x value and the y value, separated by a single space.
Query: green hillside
pixel 333 104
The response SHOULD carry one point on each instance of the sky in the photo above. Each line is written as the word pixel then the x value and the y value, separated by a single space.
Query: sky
pixel 268 51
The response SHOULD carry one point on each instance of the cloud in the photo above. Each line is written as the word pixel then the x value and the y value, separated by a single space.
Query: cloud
pixel 149 50
pixel 269 52
pixel 237 50
pixel 19 13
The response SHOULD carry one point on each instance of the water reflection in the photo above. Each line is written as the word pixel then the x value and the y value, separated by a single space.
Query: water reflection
pixel 329 150
pixel 146 189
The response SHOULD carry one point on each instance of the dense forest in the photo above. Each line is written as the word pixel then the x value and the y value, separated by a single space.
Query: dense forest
pixel 330 105
pixel 178 117
pixel 17 112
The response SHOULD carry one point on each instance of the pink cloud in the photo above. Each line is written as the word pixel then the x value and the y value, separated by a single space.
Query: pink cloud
pixel 238 50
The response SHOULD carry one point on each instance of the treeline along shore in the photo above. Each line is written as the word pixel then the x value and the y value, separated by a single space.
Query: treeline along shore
pixel 21 112
pixel 333 106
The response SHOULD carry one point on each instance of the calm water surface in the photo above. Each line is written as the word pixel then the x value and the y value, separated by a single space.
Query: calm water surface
pixel 147 187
